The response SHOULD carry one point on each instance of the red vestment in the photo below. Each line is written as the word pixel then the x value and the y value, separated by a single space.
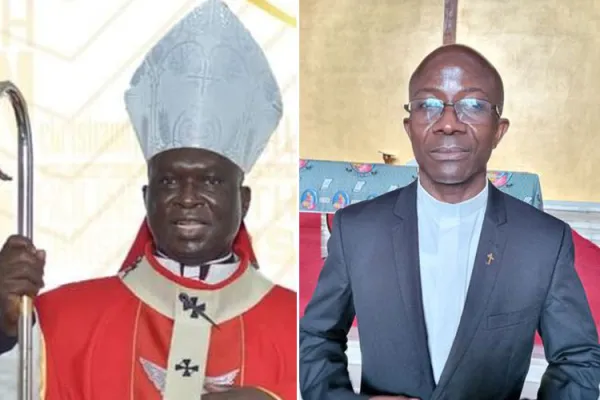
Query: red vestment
pixel 113 338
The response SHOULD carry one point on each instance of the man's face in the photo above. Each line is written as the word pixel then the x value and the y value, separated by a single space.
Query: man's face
pixel 453 147
pixel 195 203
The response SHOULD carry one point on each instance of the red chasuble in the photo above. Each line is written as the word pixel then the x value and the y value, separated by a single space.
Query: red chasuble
pixel 148 333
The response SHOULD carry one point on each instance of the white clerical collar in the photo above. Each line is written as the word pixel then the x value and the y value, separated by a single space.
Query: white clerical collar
pixel 212 272
pixel 440 209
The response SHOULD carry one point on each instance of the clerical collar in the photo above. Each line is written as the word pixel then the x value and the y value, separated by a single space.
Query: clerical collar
pixel 225 267
pixel 440 209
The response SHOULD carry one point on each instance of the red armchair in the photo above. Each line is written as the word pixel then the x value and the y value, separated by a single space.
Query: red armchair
pixel 587 265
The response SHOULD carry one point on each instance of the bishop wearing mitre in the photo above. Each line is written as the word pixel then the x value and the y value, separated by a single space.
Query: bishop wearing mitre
pixel 190 315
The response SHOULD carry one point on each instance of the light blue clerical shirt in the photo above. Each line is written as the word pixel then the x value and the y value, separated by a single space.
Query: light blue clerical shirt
pixel 448 239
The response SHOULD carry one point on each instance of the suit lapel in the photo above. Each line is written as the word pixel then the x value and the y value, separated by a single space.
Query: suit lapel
pixel 406 254
pixel 488 263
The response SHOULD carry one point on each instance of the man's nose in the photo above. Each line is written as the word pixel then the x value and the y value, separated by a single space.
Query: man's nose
pixel 448 123
pixel 191 196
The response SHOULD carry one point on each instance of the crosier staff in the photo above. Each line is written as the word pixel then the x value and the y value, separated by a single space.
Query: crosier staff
pixel 25 227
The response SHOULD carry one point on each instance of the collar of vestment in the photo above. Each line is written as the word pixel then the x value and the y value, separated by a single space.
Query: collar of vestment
pixel 168 293
pixel 439 210
pixel 211 272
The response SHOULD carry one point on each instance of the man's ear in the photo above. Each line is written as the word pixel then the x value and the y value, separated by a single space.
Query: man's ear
pixel 246 194
pixel 503 125
pixel 406 122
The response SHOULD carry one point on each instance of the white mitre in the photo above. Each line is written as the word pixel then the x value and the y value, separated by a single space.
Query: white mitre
pixel 206 84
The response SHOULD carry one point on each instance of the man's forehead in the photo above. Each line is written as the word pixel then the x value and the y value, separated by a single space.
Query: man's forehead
pixel 452 68
pixel 454 71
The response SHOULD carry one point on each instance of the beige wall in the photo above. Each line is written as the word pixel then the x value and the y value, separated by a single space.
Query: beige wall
pixel 356 58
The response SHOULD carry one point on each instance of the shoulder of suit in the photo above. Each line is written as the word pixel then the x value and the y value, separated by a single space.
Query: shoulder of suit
pixel 378 204
pixel 530 217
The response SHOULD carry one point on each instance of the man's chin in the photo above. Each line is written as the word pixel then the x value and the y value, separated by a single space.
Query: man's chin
pixel 449 178
pixel 191 253
pixel 451 175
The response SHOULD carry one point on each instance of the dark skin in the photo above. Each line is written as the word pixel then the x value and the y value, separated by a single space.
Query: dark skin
pixel 451 73
pixel 195 201
pixel 21 274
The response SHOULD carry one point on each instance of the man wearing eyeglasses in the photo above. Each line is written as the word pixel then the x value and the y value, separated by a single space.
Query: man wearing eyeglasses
pixel 456 276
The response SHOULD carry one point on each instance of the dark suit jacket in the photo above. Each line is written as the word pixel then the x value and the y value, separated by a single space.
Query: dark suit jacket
pixel 372 271
pixel 6 343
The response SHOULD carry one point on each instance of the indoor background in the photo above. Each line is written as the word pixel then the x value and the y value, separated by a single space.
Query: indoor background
pixel 357 58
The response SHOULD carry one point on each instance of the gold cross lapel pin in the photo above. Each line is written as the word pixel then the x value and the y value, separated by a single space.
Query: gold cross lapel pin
pixel 490 258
